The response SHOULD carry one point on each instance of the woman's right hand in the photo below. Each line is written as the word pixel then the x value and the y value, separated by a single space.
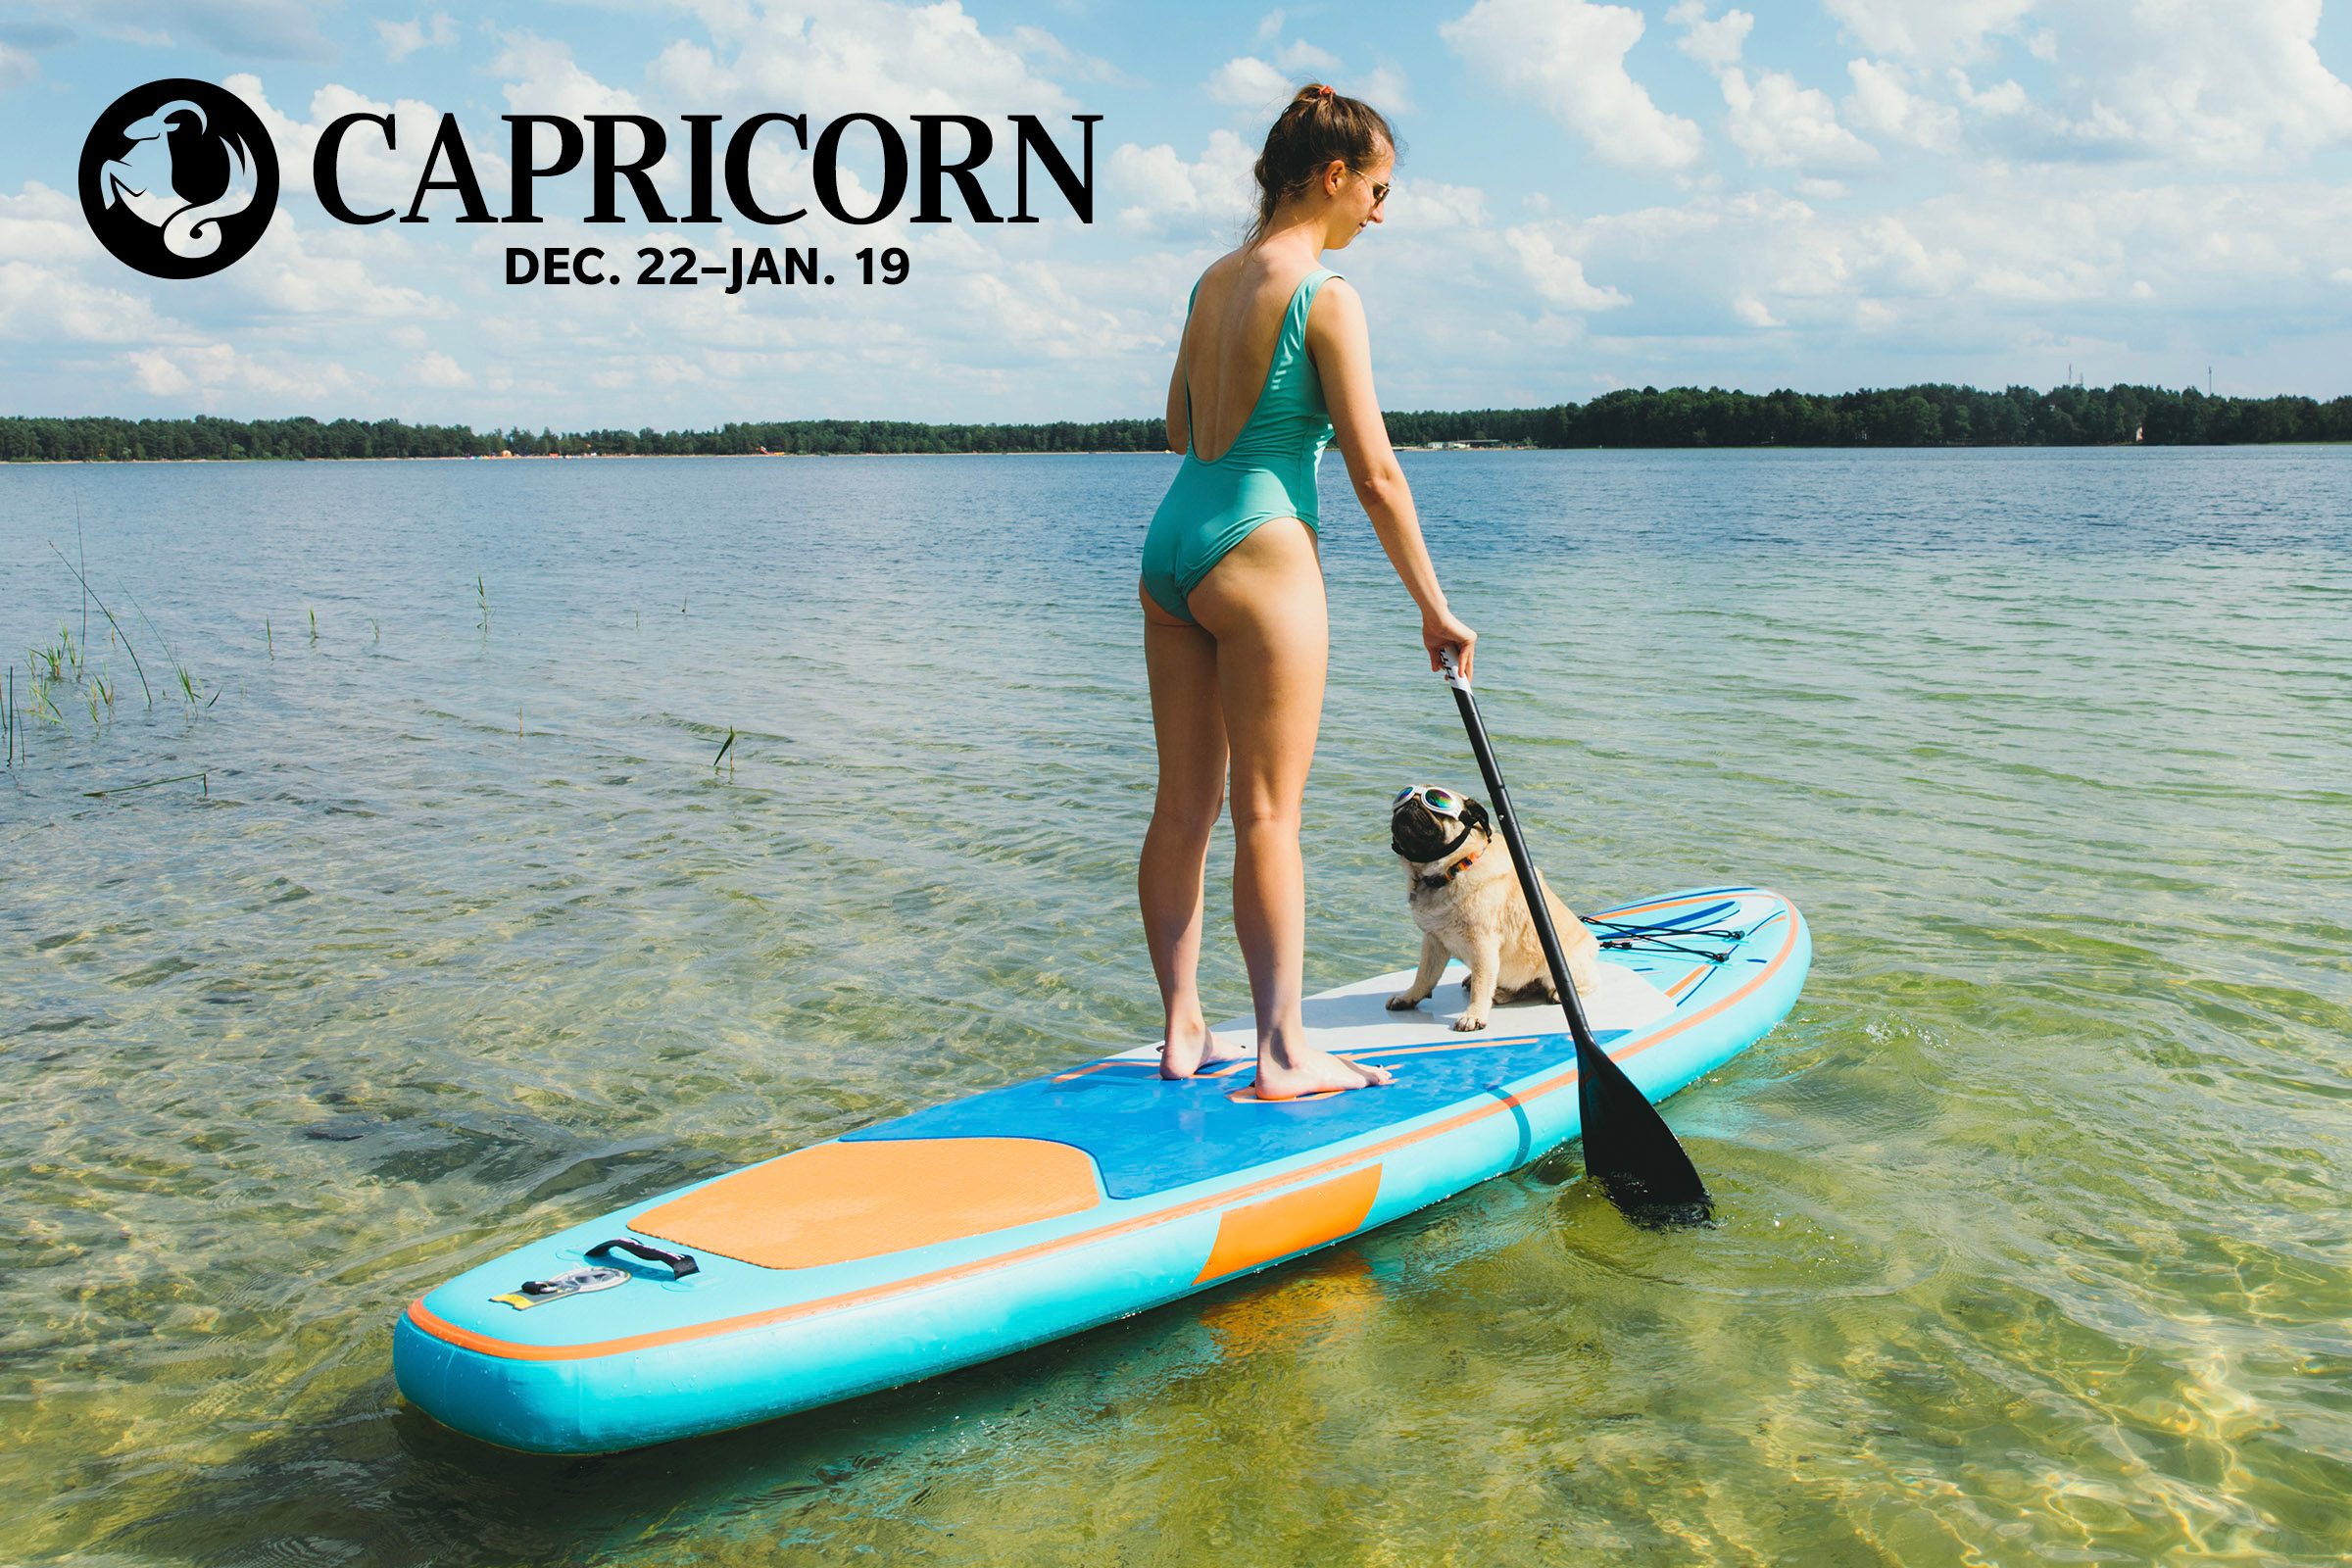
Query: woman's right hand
pixel 1440 629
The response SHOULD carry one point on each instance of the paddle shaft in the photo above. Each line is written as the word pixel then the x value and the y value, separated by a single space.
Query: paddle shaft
pixel 1628 1145
pixel 1536 905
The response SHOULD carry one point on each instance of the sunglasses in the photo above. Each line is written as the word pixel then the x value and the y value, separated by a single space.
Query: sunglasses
pixel 1380 189
pixel 1438 798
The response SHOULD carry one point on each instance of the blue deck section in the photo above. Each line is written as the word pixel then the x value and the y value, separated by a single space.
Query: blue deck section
pixel 1148 1135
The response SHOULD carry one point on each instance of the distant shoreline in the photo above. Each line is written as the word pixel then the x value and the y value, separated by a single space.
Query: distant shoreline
pixel 1924 416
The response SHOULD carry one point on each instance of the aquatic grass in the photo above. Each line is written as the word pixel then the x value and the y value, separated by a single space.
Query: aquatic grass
pixel 62 658
pixel 268 640
pixel 42 701
pixel 188 684
pixel 724 747
pixel 8 714
pixel 313 628
pixel 82 552
pixel 204 785
pixel 481 594
pixel 81 577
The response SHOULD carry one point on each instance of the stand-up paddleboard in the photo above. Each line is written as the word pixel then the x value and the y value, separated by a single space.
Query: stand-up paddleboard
pixel 1025 1213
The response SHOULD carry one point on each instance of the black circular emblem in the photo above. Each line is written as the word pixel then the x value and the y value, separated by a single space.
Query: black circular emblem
pixel 178 178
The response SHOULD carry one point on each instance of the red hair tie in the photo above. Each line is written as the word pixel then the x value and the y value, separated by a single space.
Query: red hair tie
pixel 1322 90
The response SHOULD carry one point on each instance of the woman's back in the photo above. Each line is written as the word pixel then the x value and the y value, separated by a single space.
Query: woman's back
pixel 1242 350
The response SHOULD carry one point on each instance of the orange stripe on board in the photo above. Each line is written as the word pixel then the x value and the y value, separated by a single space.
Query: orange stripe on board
pixel 1260 1232
pixel 466 1339
pixel 1690 980
pixel 1676 904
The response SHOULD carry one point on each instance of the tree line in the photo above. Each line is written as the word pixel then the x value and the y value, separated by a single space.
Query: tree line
pixel 1679 416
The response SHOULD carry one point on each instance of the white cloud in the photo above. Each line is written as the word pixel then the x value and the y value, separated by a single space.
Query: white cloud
pixel 1384 87
pixel 1301 56
pixel 53 305
pixel 45 295
pixel 2216 84
pixel 2004 100
pixel 439 370
pixel 2213 85
pixel 40 224
pixel 17 68
pixel 1154 187
pixel 1569 55
pixel 833 57
pixel 1714 44
pixel 205 374
pixel 1936 33
pixel 544 79
pixel 157 376
pixel 1557 277
pixel 1249 82
pixel 1776 120
pixel 1431 204
pixel 266 30
pixel 1036 307
pixel 1778 124
pixel 1884 104
pixel 286 274
pixel 402 39
pixel 1985 265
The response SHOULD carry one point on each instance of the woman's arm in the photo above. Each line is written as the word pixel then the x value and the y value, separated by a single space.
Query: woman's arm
pixel 1342 346
pixel 1180 433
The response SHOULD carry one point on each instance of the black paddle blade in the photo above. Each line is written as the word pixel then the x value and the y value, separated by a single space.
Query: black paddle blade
pixel 1629 1149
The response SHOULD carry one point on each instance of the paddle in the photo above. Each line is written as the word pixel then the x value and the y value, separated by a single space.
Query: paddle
pixel 1627 1143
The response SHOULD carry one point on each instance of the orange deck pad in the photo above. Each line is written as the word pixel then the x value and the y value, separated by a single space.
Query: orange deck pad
pixel 838 1203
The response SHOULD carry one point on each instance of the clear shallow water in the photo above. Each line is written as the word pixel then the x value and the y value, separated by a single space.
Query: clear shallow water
pixel 2034 1246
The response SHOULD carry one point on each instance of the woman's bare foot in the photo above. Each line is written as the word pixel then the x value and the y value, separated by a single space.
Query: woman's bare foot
pixel 1186 1051
pixel 1312 1072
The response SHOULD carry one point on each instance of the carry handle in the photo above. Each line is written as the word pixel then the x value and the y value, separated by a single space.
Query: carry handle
pixel 680 1264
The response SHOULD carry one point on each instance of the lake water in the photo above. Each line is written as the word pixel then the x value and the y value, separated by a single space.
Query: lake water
pixel 2033 1240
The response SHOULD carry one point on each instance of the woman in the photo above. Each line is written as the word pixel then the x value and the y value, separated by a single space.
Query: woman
pixel 1274 362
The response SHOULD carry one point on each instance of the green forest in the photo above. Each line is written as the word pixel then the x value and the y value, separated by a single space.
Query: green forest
pixel 1933 416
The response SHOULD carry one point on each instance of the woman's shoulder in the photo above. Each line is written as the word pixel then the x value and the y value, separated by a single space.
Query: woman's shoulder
pixel 1243 268
pixel 1219 273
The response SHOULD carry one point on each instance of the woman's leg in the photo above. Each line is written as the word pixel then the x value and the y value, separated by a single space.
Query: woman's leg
pixel 1263 605
pixel 1188 723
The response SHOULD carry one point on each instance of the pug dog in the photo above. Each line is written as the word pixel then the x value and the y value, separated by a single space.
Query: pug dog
pixel 1463 890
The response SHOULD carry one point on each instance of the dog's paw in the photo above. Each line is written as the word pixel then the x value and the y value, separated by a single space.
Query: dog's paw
pixel 1465 1024
pixel 1404 1001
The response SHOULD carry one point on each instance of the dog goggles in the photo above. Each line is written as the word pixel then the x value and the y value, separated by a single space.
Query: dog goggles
pixel 1438 798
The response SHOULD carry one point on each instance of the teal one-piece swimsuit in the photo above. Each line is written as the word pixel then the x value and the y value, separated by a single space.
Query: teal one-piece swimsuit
pixel 1269 471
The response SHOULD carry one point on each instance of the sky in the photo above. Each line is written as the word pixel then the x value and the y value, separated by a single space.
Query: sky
pixel 1818 194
